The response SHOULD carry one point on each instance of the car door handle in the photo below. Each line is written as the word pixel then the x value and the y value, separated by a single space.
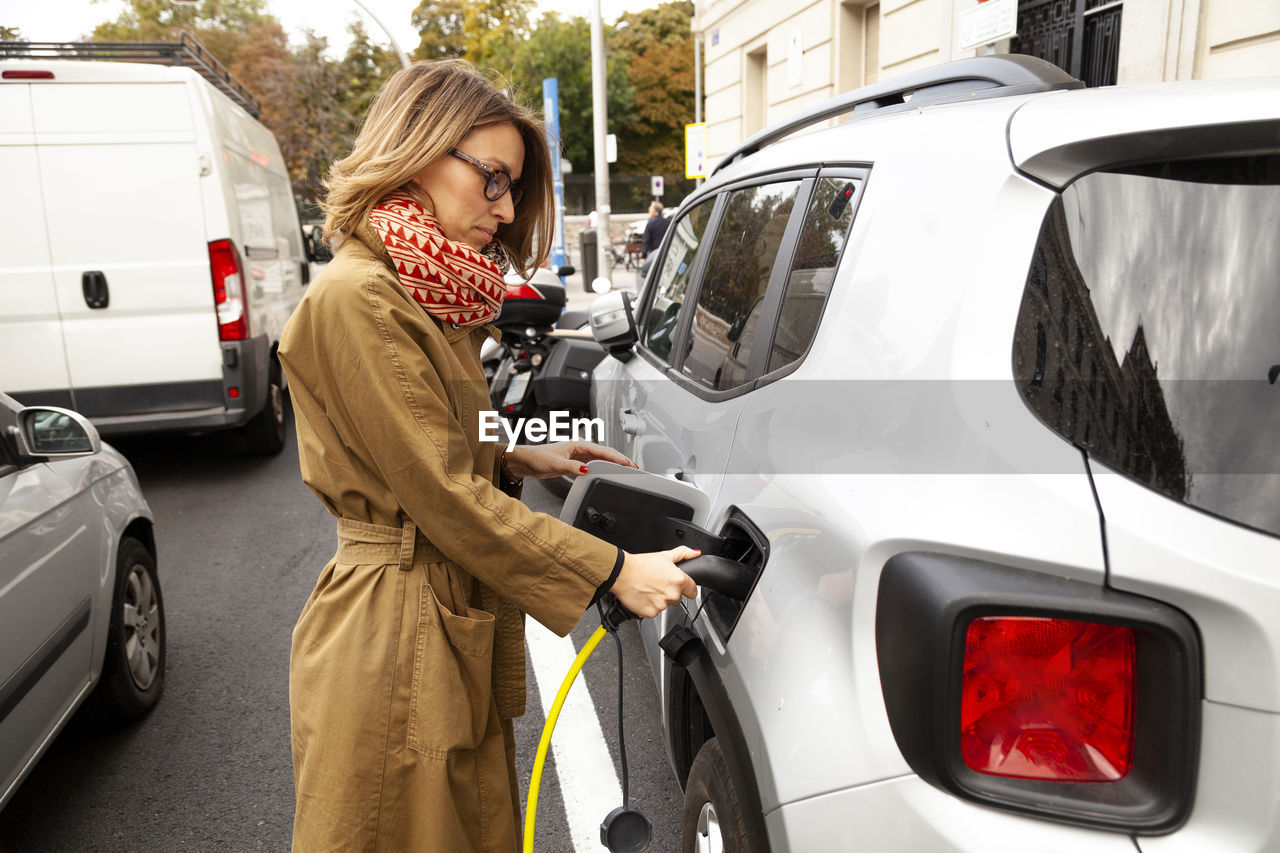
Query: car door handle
pixel 93 284
pixel 632 424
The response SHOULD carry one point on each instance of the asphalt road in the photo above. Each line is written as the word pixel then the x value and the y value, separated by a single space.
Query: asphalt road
pixel 241 541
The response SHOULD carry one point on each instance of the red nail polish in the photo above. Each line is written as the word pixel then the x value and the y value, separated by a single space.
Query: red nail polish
pixel 582 468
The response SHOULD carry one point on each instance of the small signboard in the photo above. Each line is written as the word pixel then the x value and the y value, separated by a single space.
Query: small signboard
pixel 655 185
pixel 695 150
pixel 611 148
pixel 988 22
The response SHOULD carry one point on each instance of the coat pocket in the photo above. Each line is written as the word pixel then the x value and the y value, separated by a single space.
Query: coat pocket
pixel 452 678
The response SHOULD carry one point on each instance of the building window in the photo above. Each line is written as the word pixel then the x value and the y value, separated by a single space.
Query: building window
pixel 755 85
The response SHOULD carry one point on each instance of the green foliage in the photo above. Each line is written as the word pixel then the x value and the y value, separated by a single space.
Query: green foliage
pixel 314 104
pixel 487 33
pixel 362 71
pixel 657 45
pixel 440 23
pixel 11 34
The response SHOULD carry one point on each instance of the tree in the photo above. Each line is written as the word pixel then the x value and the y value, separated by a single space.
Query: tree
pixel 362 71
pixel 219 25
pixel 562 49
pixel 487 33
pixel 441 27
pixel 11 34
pixel 657 45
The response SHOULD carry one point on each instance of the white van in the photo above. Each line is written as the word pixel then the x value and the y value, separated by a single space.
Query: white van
pixel 150 249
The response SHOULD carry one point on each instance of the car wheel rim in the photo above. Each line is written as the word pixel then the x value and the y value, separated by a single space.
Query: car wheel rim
pixel 708 839
pixel 141 627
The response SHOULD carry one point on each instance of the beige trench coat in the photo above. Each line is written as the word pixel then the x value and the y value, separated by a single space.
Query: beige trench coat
pixel 408 660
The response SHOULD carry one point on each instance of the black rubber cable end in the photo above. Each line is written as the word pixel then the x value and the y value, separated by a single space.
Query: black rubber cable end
pixel 625 831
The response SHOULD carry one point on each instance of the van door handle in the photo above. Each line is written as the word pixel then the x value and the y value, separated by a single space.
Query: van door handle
pixel 94 286
pixel 632 424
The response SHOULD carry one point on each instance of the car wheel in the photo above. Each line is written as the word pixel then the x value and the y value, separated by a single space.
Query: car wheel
pixel 712 821
pixel 265 434
pixel 133 665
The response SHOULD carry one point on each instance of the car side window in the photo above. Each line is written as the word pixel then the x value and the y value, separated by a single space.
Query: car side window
pixel 822 238
pixel 659 323
pixel 733 289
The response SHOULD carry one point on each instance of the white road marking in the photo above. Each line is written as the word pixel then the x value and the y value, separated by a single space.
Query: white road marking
pixel 584 768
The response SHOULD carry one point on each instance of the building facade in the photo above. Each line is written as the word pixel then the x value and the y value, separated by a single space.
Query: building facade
pixel 764 60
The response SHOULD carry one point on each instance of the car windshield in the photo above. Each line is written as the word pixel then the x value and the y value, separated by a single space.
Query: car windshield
pixel 1147 333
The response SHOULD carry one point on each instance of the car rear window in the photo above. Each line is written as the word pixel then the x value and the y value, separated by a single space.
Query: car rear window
pixel 1148 329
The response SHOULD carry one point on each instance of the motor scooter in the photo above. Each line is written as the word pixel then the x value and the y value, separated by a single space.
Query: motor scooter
pixel 543 362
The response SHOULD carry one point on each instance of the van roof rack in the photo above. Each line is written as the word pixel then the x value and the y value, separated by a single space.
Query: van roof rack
pixel 963 79
pixel 186 52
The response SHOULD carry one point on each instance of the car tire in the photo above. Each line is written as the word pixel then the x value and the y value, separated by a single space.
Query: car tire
pixel 265 433
pixel 712 821
pixel 133 665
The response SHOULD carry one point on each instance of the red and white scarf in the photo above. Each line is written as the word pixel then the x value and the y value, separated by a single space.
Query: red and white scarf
pixel 452 281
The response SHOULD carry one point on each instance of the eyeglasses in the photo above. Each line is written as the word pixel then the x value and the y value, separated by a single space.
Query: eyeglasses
pixel 499 181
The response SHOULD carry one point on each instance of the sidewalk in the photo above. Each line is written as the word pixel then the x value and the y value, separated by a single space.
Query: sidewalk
pixel 579 296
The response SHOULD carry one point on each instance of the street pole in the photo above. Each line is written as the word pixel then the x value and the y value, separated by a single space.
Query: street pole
pixel 551 119
pixel 697 85
pixel 404 57
pixel 599 107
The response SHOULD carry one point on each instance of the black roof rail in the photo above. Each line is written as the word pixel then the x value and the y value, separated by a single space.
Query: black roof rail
pixel 963 79
pixel 186 52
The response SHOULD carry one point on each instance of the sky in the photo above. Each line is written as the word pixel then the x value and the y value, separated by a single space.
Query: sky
pixel 62 20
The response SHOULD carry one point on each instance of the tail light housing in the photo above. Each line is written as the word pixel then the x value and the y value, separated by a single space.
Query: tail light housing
pixel 1048 699
pixel 1041 695
pixel 229 294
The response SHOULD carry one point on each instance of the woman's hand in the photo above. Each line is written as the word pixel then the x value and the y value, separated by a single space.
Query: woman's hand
pixel 563 457
pixel 649 583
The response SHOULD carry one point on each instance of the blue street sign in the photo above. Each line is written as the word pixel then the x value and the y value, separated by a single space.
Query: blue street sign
pixel 551 116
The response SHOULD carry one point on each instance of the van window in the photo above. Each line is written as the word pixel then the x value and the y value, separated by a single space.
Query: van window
pixel 733 289
pixel 822 238
pixel 1151 299
pixel 663 315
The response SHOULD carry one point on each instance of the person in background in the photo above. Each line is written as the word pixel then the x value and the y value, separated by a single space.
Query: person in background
pixel 407 664
pixel 654 230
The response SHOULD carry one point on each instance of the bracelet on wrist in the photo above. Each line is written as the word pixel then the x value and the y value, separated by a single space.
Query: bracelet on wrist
pixel 509 480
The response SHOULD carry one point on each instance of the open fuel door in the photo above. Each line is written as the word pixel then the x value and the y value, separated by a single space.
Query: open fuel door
pixel 640 512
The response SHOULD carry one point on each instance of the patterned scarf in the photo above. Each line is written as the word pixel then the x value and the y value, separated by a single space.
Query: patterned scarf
pixel 452 281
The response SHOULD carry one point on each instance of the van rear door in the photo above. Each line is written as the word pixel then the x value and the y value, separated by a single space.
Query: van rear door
pixel 121 174
pixel 33 363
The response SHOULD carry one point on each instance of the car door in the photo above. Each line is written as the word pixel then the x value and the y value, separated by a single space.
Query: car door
pixel 51 554
pixel 677 406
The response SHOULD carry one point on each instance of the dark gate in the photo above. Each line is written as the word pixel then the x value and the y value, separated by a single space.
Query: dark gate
pixel 1082 37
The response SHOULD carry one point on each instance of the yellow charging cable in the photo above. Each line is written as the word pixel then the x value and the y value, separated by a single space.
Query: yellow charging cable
pixel 535 780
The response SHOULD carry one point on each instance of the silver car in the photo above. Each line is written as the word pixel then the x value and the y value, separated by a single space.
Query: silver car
pixel 81 617
pixel 977 386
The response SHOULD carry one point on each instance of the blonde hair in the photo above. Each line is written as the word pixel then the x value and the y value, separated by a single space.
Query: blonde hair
pixel 416 117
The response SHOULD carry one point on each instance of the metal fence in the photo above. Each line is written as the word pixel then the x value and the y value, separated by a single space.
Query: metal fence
pixel 627 193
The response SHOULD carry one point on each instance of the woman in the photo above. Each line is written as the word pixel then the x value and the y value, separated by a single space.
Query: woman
pixel 408 664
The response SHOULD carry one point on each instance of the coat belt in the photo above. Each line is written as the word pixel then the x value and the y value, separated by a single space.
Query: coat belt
pixel 363 543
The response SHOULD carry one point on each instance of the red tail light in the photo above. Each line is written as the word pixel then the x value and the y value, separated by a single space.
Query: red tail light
pixel 1048 699
pixel 523 290
pixel 228 291
pixel 14 74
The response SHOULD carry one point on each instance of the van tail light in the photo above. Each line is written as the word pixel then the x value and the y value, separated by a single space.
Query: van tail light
pixel 229 291
pixel 17 74
pixel 1048 699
